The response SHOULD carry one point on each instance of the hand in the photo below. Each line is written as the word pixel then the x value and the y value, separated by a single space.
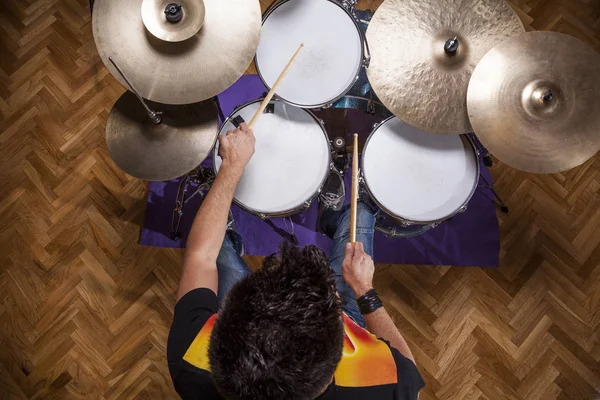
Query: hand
pixel 237 147
pixel 358 269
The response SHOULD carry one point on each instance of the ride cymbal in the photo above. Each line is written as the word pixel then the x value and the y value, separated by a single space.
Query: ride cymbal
pixel 159 152
pixel 534 102
pixel 424 51
pixel 173 21
pixel 178 72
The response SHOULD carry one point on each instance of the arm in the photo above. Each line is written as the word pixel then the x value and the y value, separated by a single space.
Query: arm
pixel 208 230
pixel 358 270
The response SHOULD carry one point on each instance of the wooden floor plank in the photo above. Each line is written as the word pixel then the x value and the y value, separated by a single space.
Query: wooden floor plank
pixel 85 311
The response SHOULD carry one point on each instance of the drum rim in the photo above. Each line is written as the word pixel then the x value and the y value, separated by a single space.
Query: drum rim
pixel 360 66
pixel 464 137
pixel 309 200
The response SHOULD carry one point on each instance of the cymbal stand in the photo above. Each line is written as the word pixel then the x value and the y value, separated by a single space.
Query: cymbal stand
pixel 203 178
pixel 219 109
pixel 487 161
pixel 153 115
pixel 350 7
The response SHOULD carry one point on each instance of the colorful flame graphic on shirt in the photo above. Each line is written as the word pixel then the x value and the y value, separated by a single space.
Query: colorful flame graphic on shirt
pixel 366 361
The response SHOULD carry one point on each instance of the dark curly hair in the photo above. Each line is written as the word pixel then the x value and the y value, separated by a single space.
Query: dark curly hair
pixel 280 333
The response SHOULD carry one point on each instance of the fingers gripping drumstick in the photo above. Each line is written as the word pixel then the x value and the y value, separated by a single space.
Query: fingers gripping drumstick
pixel 354 193
pixel 269 96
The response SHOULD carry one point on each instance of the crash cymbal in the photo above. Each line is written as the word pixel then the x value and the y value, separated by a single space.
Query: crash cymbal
pixel 183 72
pixel 534 102
pixel 418 71
pixel 159 152
pixel 173 21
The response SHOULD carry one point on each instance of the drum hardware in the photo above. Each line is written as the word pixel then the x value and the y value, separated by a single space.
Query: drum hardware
pixel 533 102
pixel 284 232
pixel 481 151
pixel 154 115
pixel 340 155
pixel 423 53
pixel 406 230
pixel 349 5
pixel 203 178
pixel 237 121
pixel 488 185
pixel 219 109
pixel 173 22
pixel 451 46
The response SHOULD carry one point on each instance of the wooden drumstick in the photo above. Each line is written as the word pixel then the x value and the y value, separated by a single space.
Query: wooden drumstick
pixel 354 193
pixel 269 95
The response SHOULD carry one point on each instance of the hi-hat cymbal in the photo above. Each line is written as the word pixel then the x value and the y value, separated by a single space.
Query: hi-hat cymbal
pixel 424 51
pixel 177 145
pixel 178 72
pixel 534 102
pixel 173 21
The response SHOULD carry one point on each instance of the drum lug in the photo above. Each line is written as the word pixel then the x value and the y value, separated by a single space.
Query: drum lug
pixel 375 125
pixel 262 216
pixel 435 225
pixel 462 209
pixel 391 233
pixel 307 204
pixel 405 223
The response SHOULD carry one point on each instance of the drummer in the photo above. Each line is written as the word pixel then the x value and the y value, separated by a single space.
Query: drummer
pixel 293 329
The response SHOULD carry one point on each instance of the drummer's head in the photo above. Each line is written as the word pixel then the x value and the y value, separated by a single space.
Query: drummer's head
pixel 280 333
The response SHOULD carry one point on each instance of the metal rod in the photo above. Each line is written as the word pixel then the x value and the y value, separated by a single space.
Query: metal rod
pixel 154 115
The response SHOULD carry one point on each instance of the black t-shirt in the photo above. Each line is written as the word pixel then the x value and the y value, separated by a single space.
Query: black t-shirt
pixel 369 369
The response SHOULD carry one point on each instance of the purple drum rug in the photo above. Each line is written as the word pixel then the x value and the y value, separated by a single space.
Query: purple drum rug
pixel 469 239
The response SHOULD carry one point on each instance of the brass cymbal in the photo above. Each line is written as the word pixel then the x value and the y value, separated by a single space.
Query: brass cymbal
pixel 187 17
pixel 183 139
pixel 534 102
pixel 178 72
pixel 418 72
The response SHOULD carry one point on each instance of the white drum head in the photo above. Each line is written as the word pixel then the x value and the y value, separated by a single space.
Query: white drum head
pixel 416 175
pixel 290 163
pixel 329 63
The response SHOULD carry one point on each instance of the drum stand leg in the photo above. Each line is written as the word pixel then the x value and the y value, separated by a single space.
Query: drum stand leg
pixel 204 178
pixel 485 155
pixel 503 206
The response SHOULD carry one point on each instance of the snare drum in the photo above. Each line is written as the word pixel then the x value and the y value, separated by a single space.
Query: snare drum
pixel 290 164
pixel 327 66
pixel 418 177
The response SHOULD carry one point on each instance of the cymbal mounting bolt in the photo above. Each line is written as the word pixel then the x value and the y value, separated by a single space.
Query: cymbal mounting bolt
pixel 173 12
pixel 451 46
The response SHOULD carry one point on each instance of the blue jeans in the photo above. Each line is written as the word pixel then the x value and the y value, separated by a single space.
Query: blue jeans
pixel 335 224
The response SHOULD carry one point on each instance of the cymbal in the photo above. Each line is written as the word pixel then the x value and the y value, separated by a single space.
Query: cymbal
pixel 178 72
pixel 534 101
pixel 187 17
pixel 177 145
pixel 418 71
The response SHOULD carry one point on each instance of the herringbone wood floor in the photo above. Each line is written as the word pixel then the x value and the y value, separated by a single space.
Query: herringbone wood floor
pixel 85 311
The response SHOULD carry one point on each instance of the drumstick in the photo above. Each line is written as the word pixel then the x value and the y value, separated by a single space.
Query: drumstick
pixel 354 193
pixel 269 95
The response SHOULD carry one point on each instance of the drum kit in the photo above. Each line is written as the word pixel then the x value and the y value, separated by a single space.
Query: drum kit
pixel 440 69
